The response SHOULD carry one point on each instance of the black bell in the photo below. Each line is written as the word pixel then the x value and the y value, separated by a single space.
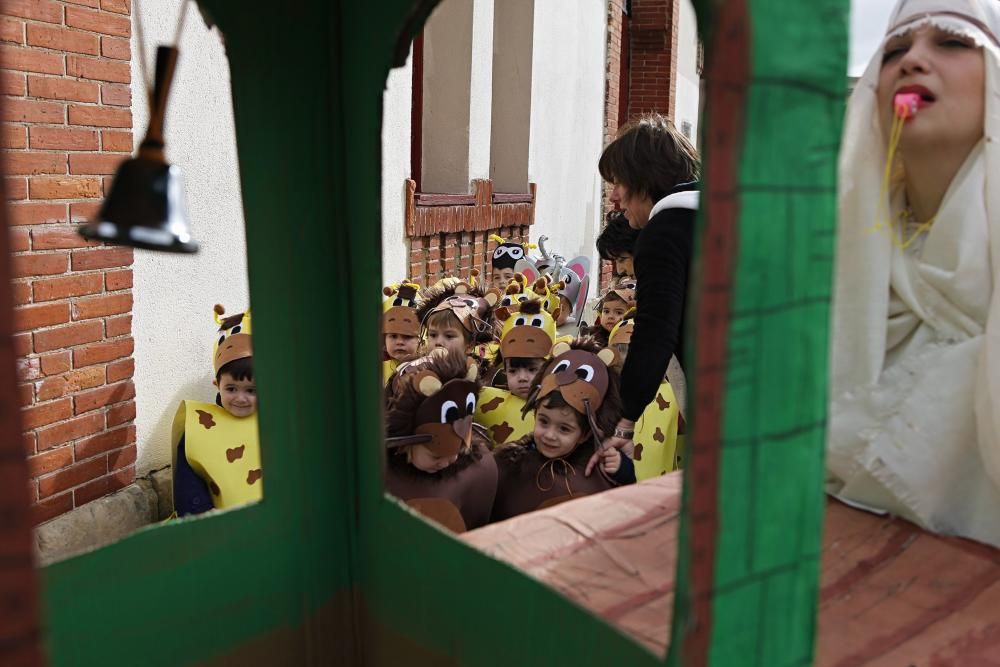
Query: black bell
pixel 145 207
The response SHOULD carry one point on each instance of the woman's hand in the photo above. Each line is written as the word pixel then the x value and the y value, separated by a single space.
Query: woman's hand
pixel 615 442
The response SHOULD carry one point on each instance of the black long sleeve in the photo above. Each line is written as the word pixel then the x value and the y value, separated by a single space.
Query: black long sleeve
pixel 662 264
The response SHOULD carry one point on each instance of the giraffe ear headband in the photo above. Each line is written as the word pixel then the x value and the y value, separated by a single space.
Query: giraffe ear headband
pixel 399 315
pixel 234 341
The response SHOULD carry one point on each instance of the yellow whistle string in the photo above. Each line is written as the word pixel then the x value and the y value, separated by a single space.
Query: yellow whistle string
pixel 895 137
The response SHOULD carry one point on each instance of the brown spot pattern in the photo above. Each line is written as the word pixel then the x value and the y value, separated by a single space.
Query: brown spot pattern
pixel 235 453
pixel 254 475
pixel 205 419
pixel 492 405
pixel 216 491
pixel 501 432
pixel 637 453
pixel 662 403
pixel 659 435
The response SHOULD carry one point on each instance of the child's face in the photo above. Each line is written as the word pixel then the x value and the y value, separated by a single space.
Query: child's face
pixel 612 313
pixel 501 277
pixel 424 459
pixel 239 397
pixel 449 338
pixel 399 346
pixel 624 266
pixel 565 309
pixel 519 379
pixel 557 431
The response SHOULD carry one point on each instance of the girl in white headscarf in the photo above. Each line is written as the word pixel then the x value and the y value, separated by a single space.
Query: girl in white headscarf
pixel 915 367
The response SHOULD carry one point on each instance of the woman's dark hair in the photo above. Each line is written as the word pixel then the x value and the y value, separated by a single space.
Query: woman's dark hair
pixel 650 157
pixel 617 239
pixel 238 369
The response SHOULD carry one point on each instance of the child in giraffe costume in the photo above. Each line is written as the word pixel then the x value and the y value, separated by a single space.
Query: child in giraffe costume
pixel 216 447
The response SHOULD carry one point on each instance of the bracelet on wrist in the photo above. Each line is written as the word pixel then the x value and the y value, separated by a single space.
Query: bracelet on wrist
pixel 623 433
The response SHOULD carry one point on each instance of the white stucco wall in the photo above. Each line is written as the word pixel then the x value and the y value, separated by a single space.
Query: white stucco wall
pixel 688 82
pixel 481 90
pixel 397 101
pixel 172 316
pixel 567 123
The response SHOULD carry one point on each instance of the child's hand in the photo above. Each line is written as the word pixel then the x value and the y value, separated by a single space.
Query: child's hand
pixel 611 460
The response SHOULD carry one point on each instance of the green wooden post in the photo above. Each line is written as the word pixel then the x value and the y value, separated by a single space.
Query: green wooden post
pixel 327 569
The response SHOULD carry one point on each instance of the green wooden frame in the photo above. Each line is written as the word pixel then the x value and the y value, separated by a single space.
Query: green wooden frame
pixel 327 569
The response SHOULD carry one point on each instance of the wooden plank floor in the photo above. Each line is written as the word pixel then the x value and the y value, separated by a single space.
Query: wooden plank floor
pixel 890 595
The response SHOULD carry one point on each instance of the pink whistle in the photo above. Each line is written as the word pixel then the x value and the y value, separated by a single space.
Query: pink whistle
pixel 906 105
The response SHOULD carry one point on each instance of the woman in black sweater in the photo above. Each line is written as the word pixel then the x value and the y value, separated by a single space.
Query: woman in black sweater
pixel 653 169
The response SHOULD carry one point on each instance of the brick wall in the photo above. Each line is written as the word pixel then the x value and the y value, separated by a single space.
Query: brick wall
pixel 66 124
pixel 653 29
pixel 615 99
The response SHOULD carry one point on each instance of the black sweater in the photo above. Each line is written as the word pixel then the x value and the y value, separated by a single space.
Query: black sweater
pixel 662 264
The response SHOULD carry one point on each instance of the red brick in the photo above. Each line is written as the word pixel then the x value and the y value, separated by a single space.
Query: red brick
pixel 47 413
pixel 123 457
pixel 99 398
pixel 35 213
pixel 64 187
pixel 22 345
pixel 114 141
pixel 96 489
pixel 50 461
pixel 12 83
pixel 62 138
pixel 32 111
pixel 87 19
pixel 34 163
pixel 82 211
pixel 97 69
pixel 99 116
pixel 121 370
pixel 73 334
pixel 35 317
pixel 26 395
pixel 30 60
pixel 86 3
pixel 27 369
pixel 85 378
pixel 11 30
pixel 116 48
pixel 28 441
pixel 54 387
pixel 102 352
pixel 119 414
pixel 55 238
pixel 91 163
pixel 118 326
pixel 61 39
pixel 117 6
pixel 116 94
pixel 19 240
pixel 70 430
pixel 102 306
pixel 116 280
pixel 39 265
pixel 55 363
pixel 22 293
pixel 15 188
pixel 40 10
pixel 13 136
pixel 62 89
pixel 73 476
pixel 50 508
pixel 102 258
pixel 104 442
pixel 60 288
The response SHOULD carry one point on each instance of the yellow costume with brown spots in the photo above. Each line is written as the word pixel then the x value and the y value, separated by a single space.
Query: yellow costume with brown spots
pixel 499 411
pixel 656 440
pixel 223 450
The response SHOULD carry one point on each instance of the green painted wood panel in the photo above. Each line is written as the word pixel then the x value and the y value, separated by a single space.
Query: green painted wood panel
pixel 327 569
